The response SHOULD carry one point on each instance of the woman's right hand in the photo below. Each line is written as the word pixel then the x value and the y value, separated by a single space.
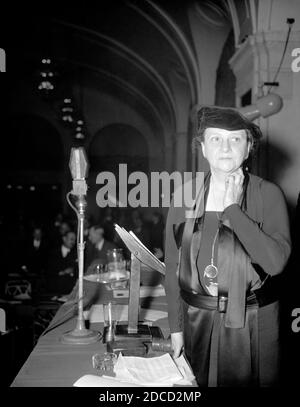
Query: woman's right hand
pixel 177 343
pixel 234 188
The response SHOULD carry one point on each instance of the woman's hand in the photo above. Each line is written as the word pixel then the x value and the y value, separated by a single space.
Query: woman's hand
pixel 177 343
pixel 233 188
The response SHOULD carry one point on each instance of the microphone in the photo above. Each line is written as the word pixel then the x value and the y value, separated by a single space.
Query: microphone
pixel 79 168
pixel 265 106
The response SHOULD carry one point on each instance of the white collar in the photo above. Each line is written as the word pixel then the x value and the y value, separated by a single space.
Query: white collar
pixel 64 250
pixel 100 244
pixel 36 243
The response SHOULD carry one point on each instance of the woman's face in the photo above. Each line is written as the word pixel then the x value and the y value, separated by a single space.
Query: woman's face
pixel 225 150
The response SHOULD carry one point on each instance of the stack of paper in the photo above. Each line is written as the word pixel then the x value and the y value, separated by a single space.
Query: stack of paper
pixel 157 371
pixel 136 371
pixel 90 380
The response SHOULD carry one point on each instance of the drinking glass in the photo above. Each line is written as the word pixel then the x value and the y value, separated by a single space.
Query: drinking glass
pixel 104 361
pixel 116 267
pixel 99 270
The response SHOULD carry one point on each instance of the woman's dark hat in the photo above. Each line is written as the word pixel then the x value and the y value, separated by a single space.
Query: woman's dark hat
pixel 225 118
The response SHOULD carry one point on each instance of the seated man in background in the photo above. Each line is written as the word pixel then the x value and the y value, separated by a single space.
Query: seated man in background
pixel 36 250
pixel 97 246
pixel 33 259
pixel 61 270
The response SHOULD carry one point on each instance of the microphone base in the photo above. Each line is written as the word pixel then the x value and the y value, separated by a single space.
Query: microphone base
pixel 80 337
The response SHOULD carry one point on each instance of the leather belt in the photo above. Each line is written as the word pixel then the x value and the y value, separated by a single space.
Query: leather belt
pixel 214 303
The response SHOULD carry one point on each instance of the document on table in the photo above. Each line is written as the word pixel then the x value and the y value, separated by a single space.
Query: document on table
pixel 160 370
pixel 137 371
pixel 90 380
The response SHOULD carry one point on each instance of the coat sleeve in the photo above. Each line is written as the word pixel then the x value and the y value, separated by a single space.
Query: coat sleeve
pixel 174 301
pixel 269 246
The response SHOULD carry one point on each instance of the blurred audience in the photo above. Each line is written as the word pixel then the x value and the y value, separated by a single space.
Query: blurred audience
pixel 140 228
pixel 57 229
pixel 50 253
pixel 108 223
pixel 86 227
pixel 64 228
pixel 97 245
pixel 36 251
pixel 54 233
pixel 61 268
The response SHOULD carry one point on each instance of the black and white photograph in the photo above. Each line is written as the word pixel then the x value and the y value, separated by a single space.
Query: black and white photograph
pixel 150 200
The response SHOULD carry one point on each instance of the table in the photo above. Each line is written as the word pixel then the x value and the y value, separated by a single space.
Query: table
pixel 54 364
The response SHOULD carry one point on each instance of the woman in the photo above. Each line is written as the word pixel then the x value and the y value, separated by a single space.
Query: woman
pixel 221 264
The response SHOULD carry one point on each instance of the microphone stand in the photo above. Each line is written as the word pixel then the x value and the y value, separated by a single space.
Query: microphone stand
pixel 80 335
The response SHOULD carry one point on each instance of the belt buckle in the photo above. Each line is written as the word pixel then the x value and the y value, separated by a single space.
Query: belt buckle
pixel 222 303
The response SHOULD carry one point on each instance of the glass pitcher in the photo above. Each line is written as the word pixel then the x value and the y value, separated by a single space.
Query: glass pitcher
pixel 116 267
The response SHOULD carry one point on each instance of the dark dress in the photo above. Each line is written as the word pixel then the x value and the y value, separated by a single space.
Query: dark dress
pixel 230 341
